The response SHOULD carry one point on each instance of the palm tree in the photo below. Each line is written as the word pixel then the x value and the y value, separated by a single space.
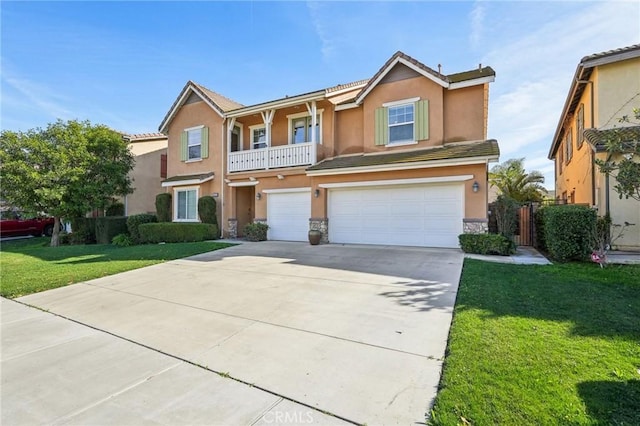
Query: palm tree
pixel 512 181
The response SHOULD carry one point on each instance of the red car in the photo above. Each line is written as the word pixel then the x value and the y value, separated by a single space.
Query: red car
pixel 15 223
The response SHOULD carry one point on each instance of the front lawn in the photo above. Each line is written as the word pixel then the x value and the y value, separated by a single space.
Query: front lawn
pixel 29 266
pixel 537 345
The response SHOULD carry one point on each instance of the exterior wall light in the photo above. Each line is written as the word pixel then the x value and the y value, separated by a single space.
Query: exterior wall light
pixel 259 196
pixel 316 193
pixel 475 186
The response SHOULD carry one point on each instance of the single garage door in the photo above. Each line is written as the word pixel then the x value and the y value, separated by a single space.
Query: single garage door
pixel 288 215
pixel 410 215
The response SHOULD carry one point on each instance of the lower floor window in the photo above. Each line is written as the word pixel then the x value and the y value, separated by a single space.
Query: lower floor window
pixel 187 205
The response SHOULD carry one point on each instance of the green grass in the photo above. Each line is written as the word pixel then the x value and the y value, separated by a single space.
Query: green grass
pixel 543 345
pixel 29 266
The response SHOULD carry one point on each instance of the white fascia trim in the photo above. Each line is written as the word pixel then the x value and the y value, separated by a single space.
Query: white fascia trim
pixel 401 102
pixel 611 59
pixel 474 82
pixel 194 128
pixel 346 106
pixel 286 190
pixel 179 104
pixel 294 100
pixel 438 179
pixel 304 114
pixel 186 182
pixel 405 166
pixel 250 183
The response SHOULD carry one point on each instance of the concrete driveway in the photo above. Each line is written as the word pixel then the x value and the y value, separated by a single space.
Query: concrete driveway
pixel 358 332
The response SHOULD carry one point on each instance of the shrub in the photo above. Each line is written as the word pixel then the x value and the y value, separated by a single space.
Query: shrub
pixel 122 240
pixel 207 210
pixel 177 232
pixel 487 244
pixel 163 207
pixel 134 221
pixel 83 230
pixel 115 209
pixel 256 231
pixel 506 213
pixel 539 219
pixel 108 227
pixel 568 231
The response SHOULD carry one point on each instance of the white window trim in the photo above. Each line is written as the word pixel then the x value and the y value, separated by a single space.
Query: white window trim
pixel 401 102
pixel 252 129
pixel 411 141
pixel 189 129
pixel 194 128
pixel 175 202
pixel 292 117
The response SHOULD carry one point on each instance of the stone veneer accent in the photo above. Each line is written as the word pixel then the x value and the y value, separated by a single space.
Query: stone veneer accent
pixel 232 228
pixel 320 224
pixel 475 226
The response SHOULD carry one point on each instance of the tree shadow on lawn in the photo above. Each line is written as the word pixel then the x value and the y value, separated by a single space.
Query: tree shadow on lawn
pixel 599 302
pixel 612 402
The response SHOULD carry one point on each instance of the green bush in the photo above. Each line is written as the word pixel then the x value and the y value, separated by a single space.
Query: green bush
pixel 83 230
pixel 256 231
pixel 163 207
pixel 122 240
pixel 207 210
pixel 108 227
pixel 164 232
pixel 134 221
pixel 539 219
pixel 506 213
pixel 568 231
pixel 115 209
pixel 487 244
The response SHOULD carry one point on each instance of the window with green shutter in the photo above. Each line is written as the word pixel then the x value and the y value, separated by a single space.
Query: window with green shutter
pixel 194 143
pixel 402 123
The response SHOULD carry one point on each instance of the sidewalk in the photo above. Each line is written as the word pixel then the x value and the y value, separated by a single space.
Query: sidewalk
pixel 524 256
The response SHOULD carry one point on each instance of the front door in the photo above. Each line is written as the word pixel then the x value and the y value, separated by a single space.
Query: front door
pixel 245 206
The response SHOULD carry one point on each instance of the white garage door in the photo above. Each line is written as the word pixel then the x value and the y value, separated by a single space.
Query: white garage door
pixel 288 215
pixel 410 215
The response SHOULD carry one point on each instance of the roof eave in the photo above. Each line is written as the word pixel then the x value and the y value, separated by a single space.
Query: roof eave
pixel 279 103
pixel 180 102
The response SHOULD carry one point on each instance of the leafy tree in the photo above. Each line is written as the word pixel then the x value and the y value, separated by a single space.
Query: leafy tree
pixel 623 158
pixel 64 170
pixel 512 181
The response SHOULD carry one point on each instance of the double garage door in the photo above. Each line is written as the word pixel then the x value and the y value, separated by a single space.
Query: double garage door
pixel 408 215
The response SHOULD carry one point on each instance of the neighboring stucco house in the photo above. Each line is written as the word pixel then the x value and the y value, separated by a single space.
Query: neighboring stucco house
pixel 605 87
pixel 150 151
pixel 399 159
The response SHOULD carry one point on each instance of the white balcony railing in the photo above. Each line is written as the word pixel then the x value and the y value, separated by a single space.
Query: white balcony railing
pixel 272 157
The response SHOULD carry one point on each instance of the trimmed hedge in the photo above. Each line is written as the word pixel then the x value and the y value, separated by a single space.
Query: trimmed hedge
pixel 108 227
pixel 134 221
pixel 164 232
pixel 487 244
pixel 207 210
pixel 568 231
pixel 539 219
pixel 163 207
pixel 83 230
pixel 256 231
pixel 115 209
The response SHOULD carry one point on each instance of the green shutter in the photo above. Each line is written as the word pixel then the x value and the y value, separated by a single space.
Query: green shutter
pixel 382 126
pixel 422 120
pixel 184 153
pixel 204 147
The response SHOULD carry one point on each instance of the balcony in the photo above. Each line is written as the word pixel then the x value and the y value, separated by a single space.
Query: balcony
pixel 272 157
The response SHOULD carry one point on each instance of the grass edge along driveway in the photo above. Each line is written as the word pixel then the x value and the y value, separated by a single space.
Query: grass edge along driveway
pixel 30 266
pixel 556 344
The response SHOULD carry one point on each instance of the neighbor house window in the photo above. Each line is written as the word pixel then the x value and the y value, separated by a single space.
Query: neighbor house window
pixel 186 204
pixel 580 125
pixel 258 137
pixel 568 145
pixel 195 143
pixel 401 123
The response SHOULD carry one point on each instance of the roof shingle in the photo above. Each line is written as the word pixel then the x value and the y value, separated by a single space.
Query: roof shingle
pixel 630 136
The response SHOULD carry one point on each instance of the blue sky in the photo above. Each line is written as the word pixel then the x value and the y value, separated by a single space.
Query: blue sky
pixel 124 63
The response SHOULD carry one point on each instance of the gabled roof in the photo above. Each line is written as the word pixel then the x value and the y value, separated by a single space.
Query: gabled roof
pixel 483 75
pixel 578 85
pixel 220 104
pixel 483 149
pixel 630 137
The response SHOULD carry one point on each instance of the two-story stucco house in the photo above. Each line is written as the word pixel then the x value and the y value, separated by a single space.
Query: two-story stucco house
pixel 399 159
pixel 605 87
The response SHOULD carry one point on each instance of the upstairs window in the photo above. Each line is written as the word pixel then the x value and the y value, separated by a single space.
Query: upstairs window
pixel 402 122
pixel 568 144
pixel 560 158
pixel 195 143
pixel 580 125
pixel 300 127
pixel 258 137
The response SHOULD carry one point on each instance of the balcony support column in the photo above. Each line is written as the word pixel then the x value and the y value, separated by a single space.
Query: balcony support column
pixel 267 118
pixel 313 111
pixel 231 122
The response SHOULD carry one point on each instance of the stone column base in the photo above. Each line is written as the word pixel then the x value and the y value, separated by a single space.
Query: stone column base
pixel 232 228
pixel 322 225
pixel 475 226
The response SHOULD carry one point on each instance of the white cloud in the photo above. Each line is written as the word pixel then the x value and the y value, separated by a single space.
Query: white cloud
pixel 40 96
pixel 477 24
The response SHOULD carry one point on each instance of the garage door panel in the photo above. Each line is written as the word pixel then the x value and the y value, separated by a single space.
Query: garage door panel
pixel 288 215
pixel 420 215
